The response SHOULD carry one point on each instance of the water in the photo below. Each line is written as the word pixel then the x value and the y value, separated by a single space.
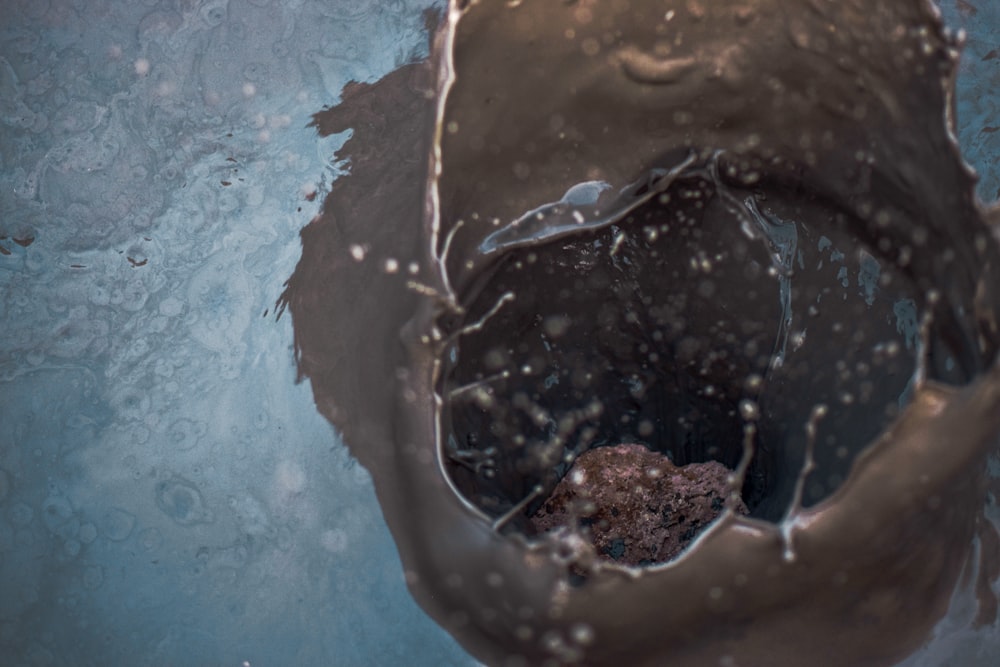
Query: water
pixel 168 494
pixel 520 338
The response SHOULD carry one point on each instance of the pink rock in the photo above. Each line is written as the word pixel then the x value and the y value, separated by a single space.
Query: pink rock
pixel 634 504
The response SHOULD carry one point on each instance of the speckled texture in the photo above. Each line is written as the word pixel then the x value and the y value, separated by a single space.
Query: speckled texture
pixel 637 507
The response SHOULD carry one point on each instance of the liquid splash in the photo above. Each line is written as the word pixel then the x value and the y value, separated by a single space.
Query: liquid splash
pixel 716 152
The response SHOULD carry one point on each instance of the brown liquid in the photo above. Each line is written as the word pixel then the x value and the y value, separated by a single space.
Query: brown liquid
pixel 831 115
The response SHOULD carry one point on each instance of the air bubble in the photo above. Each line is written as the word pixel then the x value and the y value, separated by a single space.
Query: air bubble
pixel 556 325
pixel 117 524
pixel 749 410
pixel 582 633
pixel 181 501
pixel 87 533
pixel 56 511
pixel 214 13
pixel 71 548
pixel 184 435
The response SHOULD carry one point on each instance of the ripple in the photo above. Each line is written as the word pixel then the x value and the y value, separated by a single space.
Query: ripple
pixel 214 13
pixel 132 403
pixel 71 548
pixel 182 501
pixel 185 434
pixel 87 533
pixel 117 524
pixel 56 511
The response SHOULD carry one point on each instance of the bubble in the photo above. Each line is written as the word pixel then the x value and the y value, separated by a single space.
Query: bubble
pixel 87 533
pixel 56 511
pixel 71 548
pixel 557 325
pixel 749 410
pixel 182 501
pixel 214 13
pixel 590 46
pixel 184 435
pixel 132 403
pixel 117 524
pixel 582 634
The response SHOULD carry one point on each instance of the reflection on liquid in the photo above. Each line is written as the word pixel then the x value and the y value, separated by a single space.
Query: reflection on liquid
pixel 729 231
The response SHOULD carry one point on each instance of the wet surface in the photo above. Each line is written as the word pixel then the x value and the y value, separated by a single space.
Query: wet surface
pixel 168 495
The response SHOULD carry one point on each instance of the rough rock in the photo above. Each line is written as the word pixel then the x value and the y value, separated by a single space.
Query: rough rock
pixel 634 504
